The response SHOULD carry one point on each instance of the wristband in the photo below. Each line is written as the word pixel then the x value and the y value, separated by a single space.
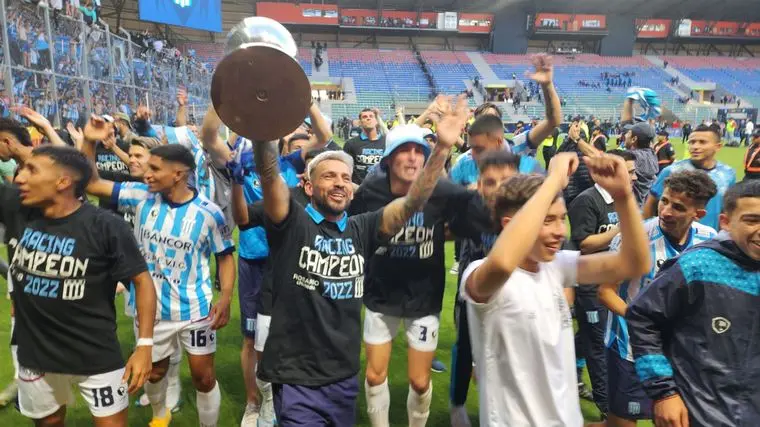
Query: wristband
pixel 144 342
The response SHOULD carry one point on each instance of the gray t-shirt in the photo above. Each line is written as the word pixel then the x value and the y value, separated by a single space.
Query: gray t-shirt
pixel 646 172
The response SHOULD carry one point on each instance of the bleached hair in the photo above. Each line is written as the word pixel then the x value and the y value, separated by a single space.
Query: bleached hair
pixel 340 156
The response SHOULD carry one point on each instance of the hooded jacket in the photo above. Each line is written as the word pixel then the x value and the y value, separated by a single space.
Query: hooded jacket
pixel 695 331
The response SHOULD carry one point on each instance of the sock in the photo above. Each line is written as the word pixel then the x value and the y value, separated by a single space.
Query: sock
pixel 378 403
pixel 157 396
pixel 173 387
pixel 418 406
pixel 265 389
pixel 208 406
pixel 14 350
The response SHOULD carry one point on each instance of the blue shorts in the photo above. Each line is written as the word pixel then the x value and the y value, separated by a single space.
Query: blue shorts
pixel 626 396
pixel 250 277
pixel 328 405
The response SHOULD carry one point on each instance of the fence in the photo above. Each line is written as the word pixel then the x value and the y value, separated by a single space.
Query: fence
pixel 66 68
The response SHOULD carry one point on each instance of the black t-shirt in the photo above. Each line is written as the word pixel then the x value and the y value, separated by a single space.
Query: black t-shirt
pixel 111 167
pixel 64 274
pixel 600 143
pixel 581 179
pixel 318 285
pixel 590 214
pixel 406 277
pixel 664 155
pixel 365 153
pixel 333 146
pixel 478 232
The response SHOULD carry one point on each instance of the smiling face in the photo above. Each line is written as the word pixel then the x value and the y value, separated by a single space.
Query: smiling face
pixel 743 224
pixel 162 176
pixel 330 187
pixel 138 160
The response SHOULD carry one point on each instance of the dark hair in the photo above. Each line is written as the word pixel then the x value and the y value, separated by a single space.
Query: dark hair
pixel 367 110
pixel 514 193
pixel 18 130
pixel 626 155
pixel 713 128
pixel 175 153
pixel 745 189
pixel 297 137
pixel 71 159
pixel 486 106
pixel 314 153
pixel 499 159
pixel 696 185
pixel 486 124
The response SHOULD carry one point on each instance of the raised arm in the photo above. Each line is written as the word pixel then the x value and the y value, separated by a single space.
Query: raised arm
pixel 212 142
pixel 626 115
pixel 239 206
pixel 41 123
pixel 449 127
pixel 96 130
pixel 181 119
pixel 633 258
pixel 276 192
pixel 518 237
pixel 321 130
pixel 544 75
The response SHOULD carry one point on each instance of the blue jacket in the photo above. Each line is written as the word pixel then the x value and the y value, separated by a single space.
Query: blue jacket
pixel 695 330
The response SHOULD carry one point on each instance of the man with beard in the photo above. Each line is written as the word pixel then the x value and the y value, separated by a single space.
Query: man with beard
pixel 704 144
pixel 366 149
pixel 693 329
pixel 673 230
pixel 312 352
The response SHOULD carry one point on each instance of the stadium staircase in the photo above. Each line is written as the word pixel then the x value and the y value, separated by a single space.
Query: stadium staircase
pixel 323 74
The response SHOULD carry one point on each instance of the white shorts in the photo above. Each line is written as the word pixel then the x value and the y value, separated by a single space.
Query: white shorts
pixel 262 331
pixel 42 394
pixel 195 337
pixel 421 332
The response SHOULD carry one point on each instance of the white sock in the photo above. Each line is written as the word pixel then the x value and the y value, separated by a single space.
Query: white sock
pixel 157 396
pixel 265 389
pixel 378 403
pixel 208 406
pixel 418 406
pixel 14 350
pixel 173 387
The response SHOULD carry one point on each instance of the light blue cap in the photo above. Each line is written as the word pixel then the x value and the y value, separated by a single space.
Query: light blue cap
pixel 401 135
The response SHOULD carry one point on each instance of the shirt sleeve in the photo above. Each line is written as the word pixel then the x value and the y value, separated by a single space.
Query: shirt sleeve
pixel 221 235
pixel 255 216
pixel 478 306
pixel 296 159
pixel 457 198
pixel 583 219
pixel 659 185
pixel 127 195
pixel 650 316
pixel 567 263
pixel 369 224
pixel 128 260
pixel 10 202
pixel 7 168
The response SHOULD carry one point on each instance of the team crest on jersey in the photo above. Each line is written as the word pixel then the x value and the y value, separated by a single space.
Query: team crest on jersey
pixel 720 324
pixel 153 214
pixel 187 226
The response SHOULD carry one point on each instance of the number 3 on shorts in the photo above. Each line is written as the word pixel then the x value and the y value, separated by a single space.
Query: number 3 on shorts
pixel 423 333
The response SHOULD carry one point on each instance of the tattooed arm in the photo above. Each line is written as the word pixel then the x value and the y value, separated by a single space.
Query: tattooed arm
pixel 449 128
pixel 276 192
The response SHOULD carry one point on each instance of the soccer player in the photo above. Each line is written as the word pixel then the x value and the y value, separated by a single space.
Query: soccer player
pixel 672 231
pixel 593 224
pixel 406 277
pixel 312 352
pixel 495 167
pixel 254 248
pixel 366 149
pixel 693 329
pixel 67 259
pixel 488 134
pixel 178 230
pixel 522 334
pixel 704 144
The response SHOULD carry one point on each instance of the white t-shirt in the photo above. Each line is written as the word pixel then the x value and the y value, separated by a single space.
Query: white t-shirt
pixel 523 348
pixel 749 127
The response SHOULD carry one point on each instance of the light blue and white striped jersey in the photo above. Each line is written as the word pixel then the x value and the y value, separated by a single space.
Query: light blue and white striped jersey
pixel 202 180
pixel 660 250
pixel 723 175
pixel 177 242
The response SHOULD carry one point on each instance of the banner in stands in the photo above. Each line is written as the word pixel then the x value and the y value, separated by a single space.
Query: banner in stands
pixel 398 19
pixel 717 29
pixel 569 23
pixel 358 17
pixel 200 15
pixel 653 28
pixel 475 22
pixel 289 13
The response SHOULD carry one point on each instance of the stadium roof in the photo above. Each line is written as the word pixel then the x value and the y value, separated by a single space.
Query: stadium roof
pixel 719 10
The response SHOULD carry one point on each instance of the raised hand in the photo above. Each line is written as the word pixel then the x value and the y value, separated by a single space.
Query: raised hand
pixel 181 96
pixel 611 173
pixel 34 117
pixel 143 113
pixel 452 121
pixel 544 69
pixel 97 129
pixel 563 165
